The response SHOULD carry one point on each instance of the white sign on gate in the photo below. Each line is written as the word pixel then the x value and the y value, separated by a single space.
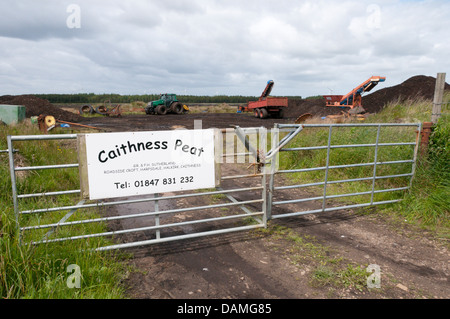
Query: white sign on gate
pixel 138 163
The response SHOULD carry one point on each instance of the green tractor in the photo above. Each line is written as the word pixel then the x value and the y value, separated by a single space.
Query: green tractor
pixel 167 103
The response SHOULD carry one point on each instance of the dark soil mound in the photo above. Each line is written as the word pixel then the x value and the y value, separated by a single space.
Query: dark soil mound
pixel 315 107
pixel 419 86
pixel 36 106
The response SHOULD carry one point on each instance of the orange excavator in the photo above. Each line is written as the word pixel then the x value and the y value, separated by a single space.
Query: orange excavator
pixel 353 99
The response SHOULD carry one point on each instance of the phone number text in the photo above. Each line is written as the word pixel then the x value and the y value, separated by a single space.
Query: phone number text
pixel 141 183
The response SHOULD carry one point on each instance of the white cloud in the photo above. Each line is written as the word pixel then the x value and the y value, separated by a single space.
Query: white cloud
pixel 219 47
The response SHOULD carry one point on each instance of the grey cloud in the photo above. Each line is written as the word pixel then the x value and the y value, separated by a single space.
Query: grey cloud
pixel 224 47
pixel 32 20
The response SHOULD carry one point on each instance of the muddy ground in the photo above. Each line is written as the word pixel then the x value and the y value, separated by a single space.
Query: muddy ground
pixel 144 122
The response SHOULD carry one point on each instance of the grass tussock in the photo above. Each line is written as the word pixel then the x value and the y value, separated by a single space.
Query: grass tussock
pixel 428 202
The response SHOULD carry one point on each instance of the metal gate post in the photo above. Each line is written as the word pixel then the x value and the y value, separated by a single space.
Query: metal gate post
pixel 273 165
pixel 158 231
pixel 273 154
pixel 416 151
pixel 324 202
pixel 262 132
pixel 12 173
pixel 375 164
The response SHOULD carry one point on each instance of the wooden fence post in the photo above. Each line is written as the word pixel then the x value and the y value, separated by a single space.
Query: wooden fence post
pixel 438 96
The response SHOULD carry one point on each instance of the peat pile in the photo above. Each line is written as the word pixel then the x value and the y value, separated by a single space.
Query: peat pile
pixel 315 107
pixel 416 87
pixel 36 106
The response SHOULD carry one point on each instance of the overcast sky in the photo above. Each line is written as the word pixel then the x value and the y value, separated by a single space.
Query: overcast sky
pixel 218 47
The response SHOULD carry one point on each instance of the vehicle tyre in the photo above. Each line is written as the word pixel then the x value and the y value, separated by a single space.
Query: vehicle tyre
pixel 281 113
pixel 148 108
pixel 176 108
pixel 86 109
pixel 101 109
pixel 257 114
pixel 263 113
pixel 161 110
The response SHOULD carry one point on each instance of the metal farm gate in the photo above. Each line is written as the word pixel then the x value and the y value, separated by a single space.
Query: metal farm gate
pixel 147 219
pixel 249 192
pixel 376 171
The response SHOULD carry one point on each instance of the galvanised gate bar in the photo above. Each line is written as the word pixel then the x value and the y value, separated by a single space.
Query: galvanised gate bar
pixel 255 176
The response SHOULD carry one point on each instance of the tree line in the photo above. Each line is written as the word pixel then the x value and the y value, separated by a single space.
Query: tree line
pixel 91 98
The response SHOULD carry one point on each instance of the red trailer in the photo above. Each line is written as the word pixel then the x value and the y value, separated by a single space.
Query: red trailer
pixel 268 106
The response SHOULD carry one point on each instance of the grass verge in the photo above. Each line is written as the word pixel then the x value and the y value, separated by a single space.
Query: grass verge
pixel 64 270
